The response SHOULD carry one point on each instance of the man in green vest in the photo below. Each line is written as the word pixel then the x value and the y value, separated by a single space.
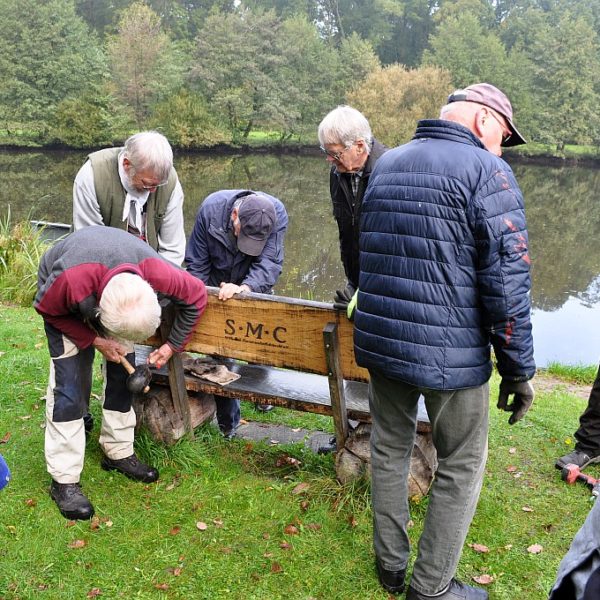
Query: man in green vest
pixel 134 188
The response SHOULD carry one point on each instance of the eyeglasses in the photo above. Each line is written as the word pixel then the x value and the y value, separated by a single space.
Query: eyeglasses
pixel 335 155
pixel 146 186
pixel 505 136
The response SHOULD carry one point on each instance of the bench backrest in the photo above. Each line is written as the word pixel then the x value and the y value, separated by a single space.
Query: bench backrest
pixel 274 331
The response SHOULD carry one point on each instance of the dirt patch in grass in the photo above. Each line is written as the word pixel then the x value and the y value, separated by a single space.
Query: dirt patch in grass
pixel 544 383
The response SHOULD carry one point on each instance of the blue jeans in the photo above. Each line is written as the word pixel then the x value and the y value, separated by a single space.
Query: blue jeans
pixel 459 421
pixel 228 413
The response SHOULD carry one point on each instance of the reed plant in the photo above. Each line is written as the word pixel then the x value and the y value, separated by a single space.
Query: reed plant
pixel 21 247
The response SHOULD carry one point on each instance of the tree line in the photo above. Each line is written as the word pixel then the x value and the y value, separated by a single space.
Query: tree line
pixel 85 73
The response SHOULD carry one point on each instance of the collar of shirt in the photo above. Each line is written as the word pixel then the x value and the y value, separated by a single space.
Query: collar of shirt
pixel 134 200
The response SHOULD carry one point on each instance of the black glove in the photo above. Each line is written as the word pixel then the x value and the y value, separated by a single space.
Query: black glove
pixel 523 398
pixel 342 297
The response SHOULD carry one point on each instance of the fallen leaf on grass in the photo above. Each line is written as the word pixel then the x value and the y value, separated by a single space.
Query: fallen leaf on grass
pixel 479 548
pixel 301 488
pixel 30 502
pixel 535 549
pixel 11 529
pixel 77 544
pixel 200 526
pixel 285 459
pixel 175 530
pixel 304 505
pixel 483 579
pixel 161 586
pixel 512 469
pixel 175 571
pixel 352 521
pixel 5 438
pixel 218 522
pixel 266 536
pixel 527 509
pixel 276 568
pixel 95 523
pixel 512 450
pixel 291 530
pixel 38 346
pixel 94 593
pixel 285 546
pixel 314 526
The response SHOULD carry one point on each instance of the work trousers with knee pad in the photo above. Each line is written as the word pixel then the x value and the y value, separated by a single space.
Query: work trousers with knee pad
pixel 67 400
pixel 459 422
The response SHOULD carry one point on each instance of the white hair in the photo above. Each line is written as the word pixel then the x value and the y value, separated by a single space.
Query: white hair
pixel 128 308
pixel 344 125
pixel 149 151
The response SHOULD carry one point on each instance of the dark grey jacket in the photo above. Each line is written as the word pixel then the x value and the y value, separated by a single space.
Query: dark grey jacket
pixel 346 210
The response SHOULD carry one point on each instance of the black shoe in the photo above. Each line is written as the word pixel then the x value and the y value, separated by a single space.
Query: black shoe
pixel 328 447
pixel 264 408
pixel 455 591
pixel 71 501
pixel 88 423
pixel 230 434
pixel 577 457
pixel 132 467
pixel 392 581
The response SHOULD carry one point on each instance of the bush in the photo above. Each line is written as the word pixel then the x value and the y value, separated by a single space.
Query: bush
pixel 188 123
pixel 394 98
pixel 88 122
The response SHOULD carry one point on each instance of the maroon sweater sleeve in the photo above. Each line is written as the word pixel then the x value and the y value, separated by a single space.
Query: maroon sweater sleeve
pixel 185 291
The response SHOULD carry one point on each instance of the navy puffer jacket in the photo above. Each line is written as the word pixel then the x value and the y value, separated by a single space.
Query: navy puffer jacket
pixel 444 267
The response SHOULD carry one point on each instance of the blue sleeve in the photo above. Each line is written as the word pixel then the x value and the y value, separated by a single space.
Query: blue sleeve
pixel 504 282
pixel 197 254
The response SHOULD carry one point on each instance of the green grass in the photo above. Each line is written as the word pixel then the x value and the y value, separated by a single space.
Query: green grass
pixel 582 374
pixel 146 543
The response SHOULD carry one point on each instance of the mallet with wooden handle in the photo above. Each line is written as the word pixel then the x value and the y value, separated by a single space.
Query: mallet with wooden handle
pixel 139 377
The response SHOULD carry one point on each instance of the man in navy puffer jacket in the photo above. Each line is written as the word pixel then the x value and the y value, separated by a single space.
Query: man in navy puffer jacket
pixel 444 276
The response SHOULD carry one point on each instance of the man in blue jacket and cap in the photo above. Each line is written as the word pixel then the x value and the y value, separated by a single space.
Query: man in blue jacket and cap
pixel 444 276
pixel 237 245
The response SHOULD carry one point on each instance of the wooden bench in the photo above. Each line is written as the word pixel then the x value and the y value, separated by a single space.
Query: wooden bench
pixel 290 353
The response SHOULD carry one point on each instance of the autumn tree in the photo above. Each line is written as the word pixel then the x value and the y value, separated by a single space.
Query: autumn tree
pixel 394 98
pixel 145 64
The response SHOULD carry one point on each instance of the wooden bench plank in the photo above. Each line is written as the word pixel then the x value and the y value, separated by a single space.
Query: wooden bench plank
pixel 274 331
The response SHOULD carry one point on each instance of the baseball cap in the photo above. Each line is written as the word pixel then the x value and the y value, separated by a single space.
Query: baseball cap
pixel 492 97
pixel 257 219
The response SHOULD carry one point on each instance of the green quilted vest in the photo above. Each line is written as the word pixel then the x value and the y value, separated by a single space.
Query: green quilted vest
pixel 111 194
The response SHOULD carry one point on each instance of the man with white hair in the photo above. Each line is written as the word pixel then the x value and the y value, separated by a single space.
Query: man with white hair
pixel 134 188
pixel 348 144
pixel 444 277
pixel 99 289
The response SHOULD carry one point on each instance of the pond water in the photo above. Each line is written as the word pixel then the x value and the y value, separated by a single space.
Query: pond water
pixel 562 214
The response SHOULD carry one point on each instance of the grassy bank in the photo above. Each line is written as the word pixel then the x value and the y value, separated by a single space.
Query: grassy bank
pixel 216 525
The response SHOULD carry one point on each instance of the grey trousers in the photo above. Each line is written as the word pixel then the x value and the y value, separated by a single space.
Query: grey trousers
pixel 459 420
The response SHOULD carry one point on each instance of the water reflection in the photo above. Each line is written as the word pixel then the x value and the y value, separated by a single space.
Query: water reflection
pixel 561 211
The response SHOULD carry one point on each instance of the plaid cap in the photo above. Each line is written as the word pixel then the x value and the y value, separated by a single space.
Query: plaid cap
pixel 492 97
